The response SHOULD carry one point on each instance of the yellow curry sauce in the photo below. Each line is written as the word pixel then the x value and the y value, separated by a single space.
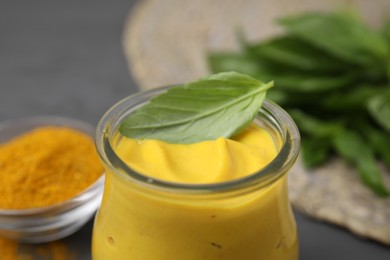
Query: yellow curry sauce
pixel 138 224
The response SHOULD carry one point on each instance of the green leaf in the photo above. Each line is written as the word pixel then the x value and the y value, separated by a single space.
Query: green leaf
pixel 220 105
pixel 379 108
pixel 386 30
pixel 308 83
pixel 287 78
pixel 243 63
pixel 356 99
pixel 342 35
pixel 297 54
pixel 315 127
pixel 315 151
pixel 220 62
pixel 380 142
pixel 386 34
pixel 278 96
pixel 356 151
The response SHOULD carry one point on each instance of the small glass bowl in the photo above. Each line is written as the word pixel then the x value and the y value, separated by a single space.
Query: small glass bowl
pixel 44 224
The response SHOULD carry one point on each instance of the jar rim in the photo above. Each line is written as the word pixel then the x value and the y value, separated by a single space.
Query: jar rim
pixel 285 158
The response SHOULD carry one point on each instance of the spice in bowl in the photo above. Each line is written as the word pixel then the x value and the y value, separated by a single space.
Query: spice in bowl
pixel 46 166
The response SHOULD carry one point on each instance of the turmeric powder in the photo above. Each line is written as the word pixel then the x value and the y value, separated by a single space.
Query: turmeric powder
pixel 46 166
pixel 8 249
pixel 12 250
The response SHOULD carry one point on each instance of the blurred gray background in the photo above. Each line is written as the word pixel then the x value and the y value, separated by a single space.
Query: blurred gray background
pixel 65 58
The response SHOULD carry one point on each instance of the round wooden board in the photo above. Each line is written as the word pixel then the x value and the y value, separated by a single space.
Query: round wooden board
pixel 167 42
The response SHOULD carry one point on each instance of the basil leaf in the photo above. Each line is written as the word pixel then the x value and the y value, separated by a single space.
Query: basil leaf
pixel 307 83
pixel 342 35
pixel 315 151
pixel 220 105
pixel 380 142
pixel 355 150
pixel 220 62
pixel 287 78
pixel 354 101
pixel 379 108
pixel 297 54
pixel 386 30
pixel 291 99
pixel 315 127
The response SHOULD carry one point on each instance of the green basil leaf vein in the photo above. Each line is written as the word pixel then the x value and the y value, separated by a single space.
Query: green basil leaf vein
pixel 220 105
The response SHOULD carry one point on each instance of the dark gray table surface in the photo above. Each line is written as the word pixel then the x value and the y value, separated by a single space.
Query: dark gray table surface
pixel 64 57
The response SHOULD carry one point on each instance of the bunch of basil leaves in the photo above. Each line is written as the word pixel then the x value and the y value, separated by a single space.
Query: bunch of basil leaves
pixel 332 74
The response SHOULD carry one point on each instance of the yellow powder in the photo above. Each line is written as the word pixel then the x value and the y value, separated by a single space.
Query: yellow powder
pixel 45 166
pixel 55 251
pixel 12 250
pixel 8 250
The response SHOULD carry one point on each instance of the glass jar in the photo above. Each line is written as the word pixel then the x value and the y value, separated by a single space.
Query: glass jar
pixel 150 219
